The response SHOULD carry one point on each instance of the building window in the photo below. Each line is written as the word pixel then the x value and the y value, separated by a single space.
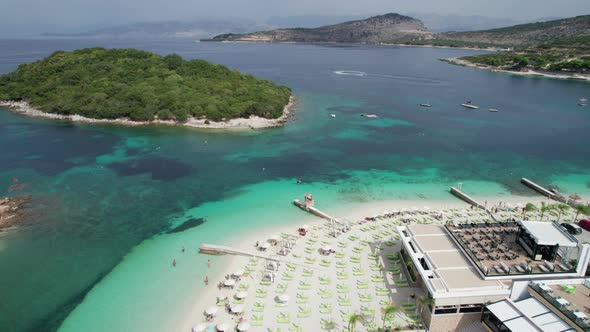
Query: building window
pixel 445 310
pixel 470 308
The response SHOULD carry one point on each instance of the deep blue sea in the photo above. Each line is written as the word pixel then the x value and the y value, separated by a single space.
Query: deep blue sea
pixel 94 253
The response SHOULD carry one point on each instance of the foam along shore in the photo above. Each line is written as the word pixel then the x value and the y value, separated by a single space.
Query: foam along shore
pixel 303 289
pixel 253 122
pixel 560 75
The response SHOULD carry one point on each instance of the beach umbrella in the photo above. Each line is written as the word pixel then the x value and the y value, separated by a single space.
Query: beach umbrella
pixel 265 245
pixel 414 208
pixel 229 282
pixel 211 311
pixel 426 208
pixel 241 295
pixel 238 273
pixel 199 327
pixel 284 298
pixel 274 238
pixel 222 327
pixel 243 326
pixel 326 248
pixel 394 211
pixel 306 227
pixel 575 197
pixel 237 309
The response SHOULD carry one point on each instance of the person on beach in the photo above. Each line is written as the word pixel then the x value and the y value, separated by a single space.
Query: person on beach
pixel 183 249
pixel 208 263
pixel 174 262
pixel 206 281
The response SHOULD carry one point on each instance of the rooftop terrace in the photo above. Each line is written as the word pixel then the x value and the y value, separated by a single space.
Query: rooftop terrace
pixel 571 299
pixel 498 250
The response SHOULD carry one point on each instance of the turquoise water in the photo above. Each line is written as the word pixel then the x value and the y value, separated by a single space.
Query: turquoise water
pixel 95 253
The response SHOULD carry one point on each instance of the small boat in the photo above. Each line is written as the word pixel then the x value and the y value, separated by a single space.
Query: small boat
pixel 369 115
pixel 493 110
pixel 468 104
pixel 333 115
pixel 427 104
pixel 583 102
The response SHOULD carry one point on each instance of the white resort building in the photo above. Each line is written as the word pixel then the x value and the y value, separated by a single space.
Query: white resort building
pixel 502 270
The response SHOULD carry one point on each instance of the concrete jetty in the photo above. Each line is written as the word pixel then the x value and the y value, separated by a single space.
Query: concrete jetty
pixel 308 206
pixel 464 197
pixel 212 249
pixel 537 188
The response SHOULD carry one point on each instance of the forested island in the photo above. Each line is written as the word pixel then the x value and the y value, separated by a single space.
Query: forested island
pixel 139 86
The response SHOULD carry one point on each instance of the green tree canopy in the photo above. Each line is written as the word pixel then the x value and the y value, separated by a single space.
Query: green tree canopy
pixel 127 83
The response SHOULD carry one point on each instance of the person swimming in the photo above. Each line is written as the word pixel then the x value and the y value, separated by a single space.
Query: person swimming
pixel 174 262
pixel 299 181
pixel 183 249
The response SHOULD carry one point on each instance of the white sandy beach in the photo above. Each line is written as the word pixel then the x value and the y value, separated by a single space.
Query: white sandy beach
pixel 254 122
pixel 363 275
pixel 564 76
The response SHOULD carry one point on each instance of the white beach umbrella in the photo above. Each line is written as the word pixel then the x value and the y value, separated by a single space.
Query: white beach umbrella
pixel 237 309
pixel 238 273
pixel 199 327
pixel 211 311
pixel 326 248
pixel 414 208
pixel 274 238
pixel 284 298
pixel 426 208
pixel 306 227
pixel 243 326
pixel 394 211
pixel 229 282
pixel 241 295
pixel 265 245
pixel 222 327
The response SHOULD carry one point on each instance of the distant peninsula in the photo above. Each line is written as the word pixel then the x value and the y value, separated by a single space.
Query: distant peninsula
pixel 136 87
pixel 557 48
pixel 388 28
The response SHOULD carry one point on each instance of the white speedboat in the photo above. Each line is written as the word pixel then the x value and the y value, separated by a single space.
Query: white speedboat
pixel 369 115
pixel 493 110
pixel 333 115
pixel 468 104
pixel 427 104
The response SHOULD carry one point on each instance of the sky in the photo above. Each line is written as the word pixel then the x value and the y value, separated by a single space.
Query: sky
pixel 36 16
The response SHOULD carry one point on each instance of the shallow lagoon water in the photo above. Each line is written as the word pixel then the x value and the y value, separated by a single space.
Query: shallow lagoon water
pixel 96 255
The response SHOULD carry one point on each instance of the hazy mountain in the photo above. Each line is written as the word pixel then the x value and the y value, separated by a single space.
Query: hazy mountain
pixel 376 29
pixel 171 29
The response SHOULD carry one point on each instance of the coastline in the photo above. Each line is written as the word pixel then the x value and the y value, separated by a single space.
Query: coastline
pixel 254 122
pixel 565 76
pixel 489 49
pixel 245 241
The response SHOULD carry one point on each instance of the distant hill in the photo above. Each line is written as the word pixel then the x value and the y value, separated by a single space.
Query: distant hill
pixel 524 34
pixel 386 28
pixel 169 29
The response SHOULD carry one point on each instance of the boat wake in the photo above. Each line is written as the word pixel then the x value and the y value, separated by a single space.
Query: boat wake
pixel 350 72
pixel 407 79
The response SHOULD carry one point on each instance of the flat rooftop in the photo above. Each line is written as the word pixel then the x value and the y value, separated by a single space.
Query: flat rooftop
pixel 548 233
pixel 528 315
pixel 449 269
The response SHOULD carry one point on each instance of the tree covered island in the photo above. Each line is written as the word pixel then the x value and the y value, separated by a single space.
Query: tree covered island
pixel 101 83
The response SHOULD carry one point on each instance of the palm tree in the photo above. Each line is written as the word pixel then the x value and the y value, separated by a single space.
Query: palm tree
pixel 423 302
pixel 544 208
pixel 528 207
pixel 583 209
pixel 389 310
pixel 563 208
pixel 353 320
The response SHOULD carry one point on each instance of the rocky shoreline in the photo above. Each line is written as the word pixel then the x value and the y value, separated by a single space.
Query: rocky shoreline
pixel 253 122
pixel 560 75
